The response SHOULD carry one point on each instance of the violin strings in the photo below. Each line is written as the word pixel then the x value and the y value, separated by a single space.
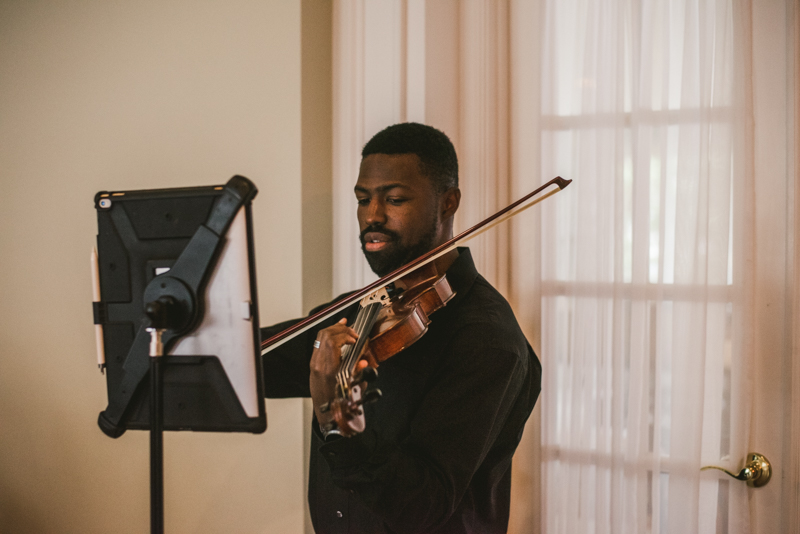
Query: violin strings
pixel 359 327
pixel 347 351
pixel 363 324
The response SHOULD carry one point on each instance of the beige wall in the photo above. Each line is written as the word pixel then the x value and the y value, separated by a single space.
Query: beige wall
pixel 126 95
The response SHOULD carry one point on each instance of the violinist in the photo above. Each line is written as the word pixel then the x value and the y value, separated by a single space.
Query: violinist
pixel 435 452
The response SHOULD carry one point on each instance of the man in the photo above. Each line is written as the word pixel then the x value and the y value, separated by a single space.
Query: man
pixel 436 452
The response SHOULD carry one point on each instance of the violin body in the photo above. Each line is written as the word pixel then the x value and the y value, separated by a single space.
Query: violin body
pixel 425 287
pixel 406 317
pixel 401 321
pixel 395 330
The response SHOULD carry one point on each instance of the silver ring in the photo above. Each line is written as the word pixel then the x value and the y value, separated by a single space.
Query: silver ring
pixel 316 344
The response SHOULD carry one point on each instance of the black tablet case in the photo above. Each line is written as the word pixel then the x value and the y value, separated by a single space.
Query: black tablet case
pixel 139 232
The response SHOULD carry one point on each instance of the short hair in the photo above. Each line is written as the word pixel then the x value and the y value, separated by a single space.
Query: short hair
pixel 437 156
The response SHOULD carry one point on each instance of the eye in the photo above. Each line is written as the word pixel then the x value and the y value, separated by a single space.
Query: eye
pixel 396 201
pixel 363 201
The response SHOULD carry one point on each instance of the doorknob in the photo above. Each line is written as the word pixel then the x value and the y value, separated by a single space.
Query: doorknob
pixel 756 473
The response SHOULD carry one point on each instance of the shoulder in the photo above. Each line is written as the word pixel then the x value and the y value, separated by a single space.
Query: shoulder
pixel 485 314
pixel 482 331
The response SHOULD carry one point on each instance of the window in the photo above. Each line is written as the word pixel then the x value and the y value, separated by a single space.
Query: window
pixel 642 264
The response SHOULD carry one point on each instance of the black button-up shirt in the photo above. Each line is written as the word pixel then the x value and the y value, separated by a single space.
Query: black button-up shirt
pixel 436 453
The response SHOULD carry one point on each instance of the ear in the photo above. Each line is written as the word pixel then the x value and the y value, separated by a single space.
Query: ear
pixel 450 202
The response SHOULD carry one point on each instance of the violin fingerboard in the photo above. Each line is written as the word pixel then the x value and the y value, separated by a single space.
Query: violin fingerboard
pixel 363 326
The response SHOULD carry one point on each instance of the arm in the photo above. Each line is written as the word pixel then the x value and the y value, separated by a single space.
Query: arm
pixel 286 368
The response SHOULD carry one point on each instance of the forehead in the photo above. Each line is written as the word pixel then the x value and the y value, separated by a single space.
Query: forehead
pixel 379 171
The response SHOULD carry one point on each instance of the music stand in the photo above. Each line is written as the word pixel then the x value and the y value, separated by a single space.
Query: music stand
pixel 178 303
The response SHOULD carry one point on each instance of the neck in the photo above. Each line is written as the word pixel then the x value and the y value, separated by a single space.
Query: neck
pixel 444 262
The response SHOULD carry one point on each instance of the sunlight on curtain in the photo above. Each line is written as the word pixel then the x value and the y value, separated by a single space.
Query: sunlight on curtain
pixel 645 280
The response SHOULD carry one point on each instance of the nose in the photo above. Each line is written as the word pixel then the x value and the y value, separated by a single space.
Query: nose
pixel 376 214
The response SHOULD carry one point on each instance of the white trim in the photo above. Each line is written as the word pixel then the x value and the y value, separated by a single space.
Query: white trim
pixel 791 509
pixel 484 131
pixel 772 304
pixel 348 136
pixel 415 61
pixel 525 26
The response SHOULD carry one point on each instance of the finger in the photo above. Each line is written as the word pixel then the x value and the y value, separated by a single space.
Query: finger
pixel 340 342
pixel 347 333
pixel 338 327
pixel 351 331
pixel 336 333
pixel 335 341
pixel 361 365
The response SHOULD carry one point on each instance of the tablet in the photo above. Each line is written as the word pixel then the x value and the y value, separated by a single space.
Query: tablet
pixel 199 238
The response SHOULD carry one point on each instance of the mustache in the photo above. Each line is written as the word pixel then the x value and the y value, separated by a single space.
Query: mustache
pixel 379 230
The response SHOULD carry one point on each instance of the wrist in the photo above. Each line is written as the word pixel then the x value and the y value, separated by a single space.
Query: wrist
pixel 323 414
pixel 328 433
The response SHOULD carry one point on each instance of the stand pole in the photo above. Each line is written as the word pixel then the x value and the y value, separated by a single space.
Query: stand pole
pixel 156 433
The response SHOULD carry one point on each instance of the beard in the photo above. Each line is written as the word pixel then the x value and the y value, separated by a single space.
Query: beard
pixel 396 255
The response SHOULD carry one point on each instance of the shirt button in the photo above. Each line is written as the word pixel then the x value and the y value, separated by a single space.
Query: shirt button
pixel 339 514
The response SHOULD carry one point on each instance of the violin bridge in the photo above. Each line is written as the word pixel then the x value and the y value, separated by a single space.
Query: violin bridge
pixel 380 296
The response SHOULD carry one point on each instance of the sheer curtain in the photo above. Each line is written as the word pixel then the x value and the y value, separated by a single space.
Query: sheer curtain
pixel 646 276
pixel 643 265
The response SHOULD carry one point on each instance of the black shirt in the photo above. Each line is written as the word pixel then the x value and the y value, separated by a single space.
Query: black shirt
pixel 436 453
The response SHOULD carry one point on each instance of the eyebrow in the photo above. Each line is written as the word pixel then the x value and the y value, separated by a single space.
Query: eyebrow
pixel 380 189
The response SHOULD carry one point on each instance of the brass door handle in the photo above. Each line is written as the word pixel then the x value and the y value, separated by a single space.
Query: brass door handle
pixel 756 473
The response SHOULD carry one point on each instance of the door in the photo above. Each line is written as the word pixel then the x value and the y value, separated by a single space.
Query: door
pixel 669 272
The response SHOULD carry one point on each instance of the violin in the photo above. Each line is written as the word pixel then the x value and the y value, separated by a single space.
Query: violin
pixel 386 324
pixel 394 313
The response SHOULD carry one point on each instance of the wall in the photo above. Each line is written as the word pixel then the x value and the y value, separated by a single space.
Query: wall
pixel 128 95
pixel 316 170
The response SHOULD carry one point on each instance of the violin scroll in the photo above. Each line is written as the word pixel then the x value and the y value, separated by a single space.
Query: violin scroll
pixel 348 417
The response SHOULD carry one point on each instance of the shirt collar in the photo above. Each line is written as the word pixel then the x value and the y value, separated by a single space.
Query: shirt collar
pixel 462 273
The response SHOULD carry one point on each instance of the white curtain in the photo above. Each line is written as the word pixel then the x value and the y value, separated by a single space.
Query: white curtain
pixel 635 283
pixel 645 265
